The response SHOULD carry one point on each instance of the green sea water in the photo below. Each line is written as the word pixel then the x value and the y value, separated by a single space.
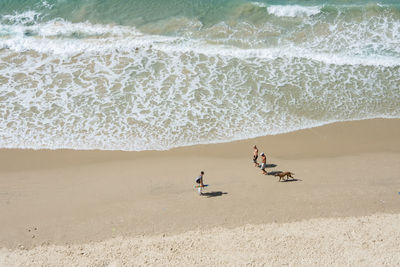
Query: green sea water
pixel 140 12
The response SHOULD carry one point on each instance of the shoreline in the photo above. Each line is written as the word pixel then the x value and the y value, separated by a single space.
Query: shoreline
pixel 355 130
pixel 73 197
pixel 235 140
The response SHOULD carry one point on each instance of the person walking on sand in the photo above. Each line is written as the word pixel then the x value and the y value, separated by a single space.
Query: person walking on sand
pixel 199 180
pixel 255 156
pixel 263 163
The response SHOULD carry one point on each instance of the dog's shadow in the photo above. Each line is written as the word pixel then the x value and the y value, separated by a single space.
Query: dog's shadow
pixel 291 180
pixel 214 194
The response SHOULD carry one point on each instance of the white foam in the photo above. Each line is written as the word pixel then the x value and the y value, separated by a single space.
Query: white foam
pixel 46 4
pixel 27 17
pixel 258 4
pixel 57 36
pixel 106 38
pixel 165 100
pixel 293 10
pixel 62 28
pixel 284 52
pixel 101 92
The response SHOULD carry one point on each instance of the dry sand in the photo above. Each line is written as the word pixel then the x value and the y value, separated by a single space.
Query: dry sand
pixel 76 197
pixel 367 241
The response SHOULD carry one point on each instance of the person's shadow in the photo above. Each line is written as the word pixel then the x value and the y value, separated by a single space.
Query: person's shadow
pixel 271 165
pixel 274 173
pixel 214 194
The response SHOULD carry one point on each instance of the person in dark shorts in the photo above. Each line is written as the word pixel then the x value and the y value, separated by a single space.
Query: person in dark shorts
pixel 199 180
pixel 255 156
pixel 263 163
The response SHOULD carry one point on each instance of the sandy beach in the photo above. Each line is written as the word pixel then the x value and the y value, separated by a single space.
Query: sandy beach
pixel 362 241
pixel 115 204
pixel 110 110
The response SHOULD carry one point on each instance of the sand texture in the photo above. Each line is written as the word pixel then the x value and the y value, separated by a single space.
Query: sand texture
pixel 365 241
pixel 66 198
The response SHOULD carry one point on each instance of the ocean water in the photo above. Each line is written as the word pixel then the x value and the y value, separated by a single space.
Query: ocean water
pixel 156 74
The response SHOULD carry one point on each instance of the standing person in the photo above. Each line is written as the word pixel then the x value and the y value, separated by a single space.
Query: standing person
pixel 199 180
pixel 255 156
pixel 263 163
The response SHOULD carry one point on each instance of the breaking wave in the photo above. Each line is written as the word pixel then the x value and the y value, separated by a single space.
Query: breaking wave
pixel 188 79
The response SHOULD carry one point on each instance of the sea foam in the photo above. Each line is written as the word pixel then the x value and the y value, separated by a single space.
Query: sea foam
pixel 59 37
pixel 293 10
pixel 103 86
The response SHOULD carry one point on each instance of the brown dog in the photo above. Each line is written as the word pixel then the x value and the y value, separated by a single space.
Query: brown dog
pixel 282 175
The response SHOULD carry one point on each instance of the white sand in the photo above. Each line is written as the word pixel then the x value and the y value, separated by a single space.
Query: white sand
pixel 355 241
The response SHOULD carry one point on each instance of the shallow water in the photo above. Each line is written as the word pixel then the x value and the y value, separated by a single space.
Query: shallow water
pixel 137 75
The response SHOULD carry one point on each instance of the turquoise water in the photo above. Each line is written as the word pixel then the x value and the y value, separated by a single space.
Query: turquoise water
pixel 138 75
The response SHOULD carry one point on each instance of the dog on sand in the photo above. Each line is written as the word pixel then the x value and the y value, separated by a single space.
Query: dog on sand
pixel 282 175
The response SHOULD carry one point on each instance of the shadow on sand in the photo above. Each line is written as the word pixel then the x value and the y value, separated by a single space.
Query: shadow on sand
pixel 214 194
pixel 274 173
pixel 286 180
pixel 268 165
pixel 291 180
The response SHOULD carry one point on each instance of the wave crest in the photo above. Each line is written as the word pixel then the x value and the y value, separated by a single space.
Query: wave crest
pixel 180 81
pixel 24 18
pixel 293 10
